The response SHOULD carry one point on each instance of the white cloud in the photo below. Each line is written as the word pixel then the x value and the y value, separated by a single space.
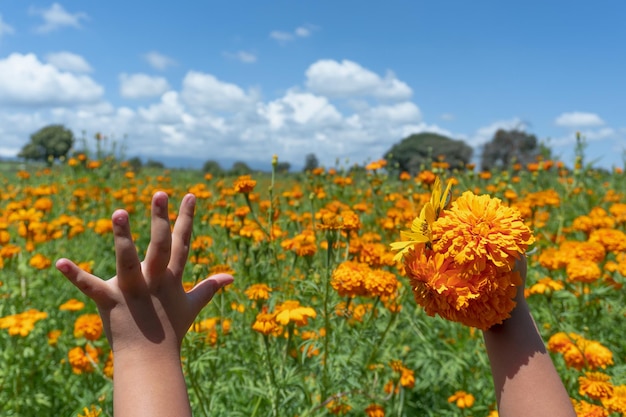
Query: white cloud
pixel 284 37
pixel 578 119
pixel 5 28
pixel 299 108
pixel 281 36
pixel 67 61
pixel 448 117
pixel 57 17
pixel 142 86
pixel 204 92
pixel 24 80
pixel 347 79
pixel 242 56
pixel 486 133
pixel 159 61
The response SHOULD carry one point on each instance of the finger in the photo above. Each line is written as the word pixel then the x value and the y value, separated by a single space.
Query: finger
pixel 203 292
pixel 158 254
pixel 90 285
pixel 181 235
pixel 126 259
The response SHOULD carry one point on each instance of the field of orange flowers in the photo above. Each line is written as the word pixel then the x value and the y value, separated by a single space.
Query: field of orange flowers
pixel 320 319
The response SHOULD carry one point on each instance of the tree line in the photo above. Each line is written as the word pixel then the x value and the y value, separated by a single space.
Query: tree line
pixel 411 154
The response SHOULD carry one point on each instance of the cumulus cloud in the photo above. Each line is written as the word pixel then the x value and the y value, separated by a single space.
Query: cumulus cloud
pixel 578 119
pixel 5 28
pixel 67 61
pixel 142 86
pixel 159 61
pixel 56 17
pixel 347 79
pixel 203 92
pixel 299 108
pixel 24 80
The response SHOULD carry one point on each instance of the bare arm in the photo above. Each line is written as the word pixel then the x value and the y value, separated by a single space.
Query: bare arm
pixel 524 376
pixel 146 313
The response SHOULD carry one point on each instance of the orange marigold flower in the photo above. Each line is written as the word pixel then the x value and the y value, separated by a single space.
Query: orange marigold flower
pixel 292 312
pixel 457 293
pixel 22 324
pixel 375 410
pixel 72 305
pixel 617 402
pixel 583 271
pixel 585 409
pixel 81 360
pixel 108 366
pixel 266 324
pixel 597 355
pixel 479 229
pixel 546 286
pixel 244 184
pixel 92 411
pixel 102 226
pixel 39 261
pixel 258 292
pixel 462 399
pixel 348 279
pixel 613 240
pixel 595 385
pixel 88 326
pixel 380 283
pixel 53 337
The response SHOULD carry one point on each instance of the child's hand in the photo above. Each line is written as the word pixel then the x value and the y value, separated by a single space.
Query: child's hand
pixel 145 307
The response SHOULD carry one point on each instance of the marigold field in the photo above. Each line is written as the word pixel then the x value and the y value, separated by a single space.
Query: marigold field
pixel 320 320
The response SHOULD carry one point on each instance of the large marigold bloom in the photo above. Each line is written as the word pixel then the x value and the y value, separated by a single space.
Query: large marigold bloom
pixel 455 293
pixel 595 385
pixel 479 229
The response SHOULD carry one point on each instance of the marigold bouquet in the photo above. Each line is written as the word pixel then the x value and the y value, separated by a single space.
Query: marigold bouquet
pixel 460 261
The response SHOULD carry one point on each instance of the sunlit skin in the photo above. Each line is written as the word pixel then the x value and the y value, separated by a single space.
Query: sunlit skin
pixel 146 312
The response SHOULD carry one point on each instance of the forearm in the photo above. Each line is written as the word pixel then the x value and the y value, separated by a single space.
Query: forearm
pixel 525 378
pixel 149 384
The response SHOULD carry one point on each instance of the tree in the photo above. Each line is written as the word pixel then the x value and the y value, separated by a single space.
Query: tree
pixel 240 168
pixel 508 147
pixel 414 152
pixel 155 164
pixel 48 144
pixel 310 162
pixel 212 167
pixel 283 167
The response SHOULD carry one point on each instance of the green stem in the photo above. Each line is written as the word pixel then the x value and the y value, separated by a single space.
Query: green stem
pixel 272 375
pixel 382 338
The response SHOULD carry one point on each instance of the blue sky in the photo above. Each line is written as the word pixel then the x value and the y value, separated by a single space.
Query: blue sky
pixel 242 80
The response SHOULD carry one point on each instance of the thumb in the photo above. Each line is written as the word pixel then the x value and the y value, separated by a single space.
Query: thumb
pixel 203 292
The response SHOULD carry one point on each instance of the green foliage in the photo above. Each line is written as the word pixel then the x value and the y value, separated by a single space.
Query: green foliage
pixel 418 151
pixel 508 147
pixel 48 144
pixel 236 371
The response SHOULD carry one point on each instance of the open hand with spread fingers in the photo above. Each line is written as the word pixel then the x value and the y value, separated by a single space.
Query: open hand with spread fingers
pixel 144 308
